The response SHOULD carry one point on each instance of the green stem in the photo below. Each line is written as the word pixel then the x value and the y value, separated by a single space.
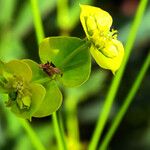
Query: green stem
pixel 63 16
pixel 59 134
pixel 103 116
pixel 72 121
pixel 61 125
pixel 37 20
pixel 126 104
pixel 32 135
pixel 40 36
pixel 25 124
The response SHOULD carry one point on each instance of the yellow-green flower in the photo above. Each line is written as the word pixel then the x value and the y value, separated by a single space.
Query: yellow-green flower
pixel 24 96
pixel 105 48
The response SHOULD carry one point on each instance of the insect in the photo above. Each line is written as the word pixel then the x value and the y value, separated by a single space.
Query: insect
pixel 50 69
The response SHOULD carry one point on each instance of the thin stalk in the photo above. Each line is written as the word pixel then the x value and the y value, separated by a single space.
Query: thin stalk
pixel 32 135
pixel 40 36
pixel 37 20
pixel 126 104
pixel 63 16
pixel 61 125
pixel 72 121
pixel 59 134
pixel 103 116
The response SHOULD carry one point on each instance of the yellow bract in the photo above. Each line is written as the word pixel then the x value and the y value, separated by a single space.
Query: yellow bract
pixel 108 63
pixel 105 48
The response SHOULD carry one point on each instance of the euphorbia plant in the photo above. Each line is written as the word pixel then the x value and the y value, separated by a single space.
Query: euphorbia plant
pixel 32 88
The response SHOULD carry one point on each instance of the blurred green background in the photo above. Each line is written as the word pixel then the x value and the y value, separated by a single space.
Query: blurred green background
pixel 18 40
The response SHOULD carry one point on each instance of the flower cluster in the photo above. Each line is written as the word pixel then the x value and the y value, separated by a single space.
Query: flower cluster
pixel 105 48
pixel 26 97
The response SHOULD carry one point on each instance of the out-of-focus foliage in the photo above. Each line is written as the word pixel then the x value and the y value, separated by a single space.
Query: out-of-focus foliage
pixel 143 33
pixel 69 15
pixel 15 22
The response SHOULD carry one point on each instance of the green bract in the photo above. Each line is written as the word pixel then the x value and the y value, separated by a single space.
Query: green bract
pixel 32 88
pixel 53 96
pixel 70 55
pixel 24 96
pixel 27 96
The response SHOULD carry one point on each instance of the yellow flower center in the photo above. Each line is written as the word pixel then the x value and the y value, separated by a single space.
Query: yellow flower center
pixel 19 92
pixel 100 39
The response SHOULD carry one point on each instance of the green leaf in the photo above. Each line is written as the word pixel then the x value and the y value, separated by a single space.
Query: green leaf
pixel 19 68
pixel 70 55
pixel 37 72
pixel 51 102
pixel 38 94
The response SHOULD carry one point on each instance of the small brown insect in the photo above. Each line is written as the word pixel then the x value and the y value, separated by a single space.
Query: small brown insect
pixel 50 69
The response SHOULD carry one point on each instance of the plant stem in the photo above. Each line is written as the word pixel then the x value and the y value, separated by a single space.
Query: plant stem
pixel 59 136
pixel 37 20
pixel 40 36
pixel 61 125
pixel 32 135
pixel 103 116
pixel 63 16
pixel 72 120
pixel 126 104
